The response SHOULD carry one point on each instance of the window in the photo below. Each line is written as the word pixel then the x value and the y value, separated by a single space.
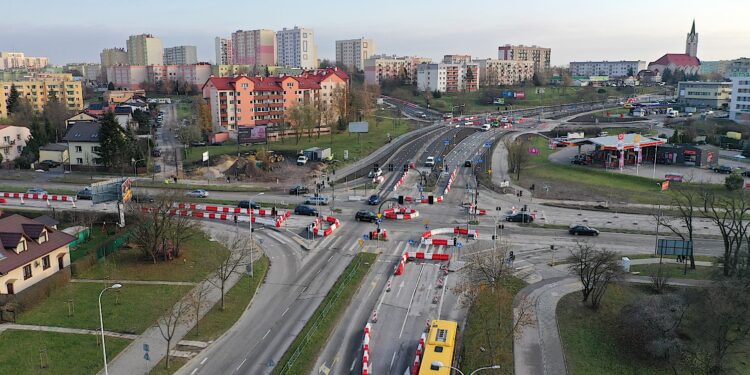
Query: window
pixel 6 139
pixel 6 151
pixel 45 262
pixel 79 149
pixel 97 161
pixel 96 149
pixel 18 136
pixel 79 160
pixel 19 149
pixel 27 272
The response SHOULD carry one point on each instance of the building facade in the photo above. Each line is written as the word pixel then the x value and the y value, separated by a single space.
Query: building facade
pixel 90 72
pixel 83 139
pixel 12 141
pixel 687 62
pixel 113 56
pixel 249 70
pixel 719 67
pixel 134 77
pixel 541 56
pixel 296 48
pixel 145 49
pixel 615 69
pixel 352 53
pixel 456 59
pixel 253 47
pixel 446 77
pixel 15 60
pixel 381 67
pixel 493 72
pixel 223 50
pixel 38 89
pixel 180 55
pixel 704 94
pixel 250 101
pixel 739 107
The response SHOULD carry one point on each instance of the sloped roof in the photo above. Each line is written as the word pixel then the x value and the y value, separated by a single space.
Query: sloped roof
pixel 307 80
pixel 12 228
pixel 679 59
pixel 46 220
pixel 88 131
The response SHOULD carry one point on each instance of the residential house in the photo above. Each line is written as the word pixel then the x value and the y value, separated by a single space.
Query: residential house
pixel 123 115
pixel 12 141
pixel 54 151
pixel 84 145
pixel 83 116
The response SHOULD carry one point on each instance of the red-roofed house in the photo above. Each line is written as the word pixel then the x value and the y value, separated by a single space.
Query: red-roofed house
pixel 674 62
pixel 250 101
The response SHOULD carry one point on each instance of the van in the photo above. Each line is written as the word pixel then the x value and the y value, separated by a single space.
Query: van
pixel 486 127
pixel 317 201
pixel 430 162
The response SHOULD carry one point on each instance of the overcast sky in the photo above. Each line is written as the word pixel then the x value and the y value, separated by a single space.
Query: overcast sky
pixel 77 30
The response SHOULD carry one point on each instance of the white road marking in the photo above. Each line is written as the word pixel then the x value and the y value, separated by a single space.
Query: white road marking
pixel 411 301
pixel 204 360
pixel 285 311
pixel 392 360
pixel 241 363
pixel 354 362
pixel 329 259
pixel 264 336
pixel 194 371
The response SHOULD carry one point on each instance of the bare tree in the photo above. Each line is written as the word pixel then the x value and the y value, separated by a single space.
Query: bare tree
pixel 198 301
pixel 489 266
pixel 180 230
pixel 653 323
pixel 687 202
pixel 730 214
pixel 518 155
pixel 173 316
pixel 595 268
pixel 154 226
pixel 239 257
pixel 340 102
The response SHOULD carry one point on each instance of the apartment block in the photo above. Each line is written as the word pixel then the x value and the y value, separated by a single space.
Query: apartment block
pixel 252 70
pixel 113 56
pixel 145 49
pixel 13 140
pixel 253 47
pixel 3 104
pixel 615 69
pixel 38 89
pixel 448 77
pixel 295 48
pixel 14 60
pixel 739 107
pixel 90 72
pixel 180 55
pixel 495 72
pixel 223 51
pixel 352 53
pixel 250 101
pixel 134 76
pixel 381 67
pixel 456 59
pixel 704 94
pixel 539 55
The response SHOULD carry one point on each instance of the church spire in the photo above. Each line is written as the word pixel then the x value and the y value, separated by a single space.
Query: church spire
pixel 691 44
pixel 692 30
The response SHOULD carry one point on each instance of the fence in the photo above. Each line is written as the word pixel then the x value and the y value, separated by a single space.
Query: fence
pixel 81 237
pixel 106 248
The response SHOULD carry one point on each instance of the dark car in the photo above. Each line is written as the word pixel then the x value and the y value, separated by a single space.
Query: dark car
pixel 521 217
pixel 86 194
pixel 156 153
pixel 249 204
pixel 305 210
pixel 582 230
pixel 141 198
pixel 723 169
pixel 364 215
pixel 373 200
pixel 299 189
pixel 198 144
pixel 467 163
pixel 51 163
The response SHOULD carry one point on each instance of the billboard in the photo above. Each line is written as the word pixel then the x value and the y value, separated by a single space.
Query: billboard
pixel 499 101
pixel 115 189
pixel 358 127
pixel 520 95
pixel 674 247
pixel 252 134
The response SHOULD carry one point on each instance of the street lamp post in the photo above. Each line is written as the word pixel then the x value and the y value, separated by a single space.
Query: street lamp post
pixel 251 236
pixel 101 324
pixel 437 365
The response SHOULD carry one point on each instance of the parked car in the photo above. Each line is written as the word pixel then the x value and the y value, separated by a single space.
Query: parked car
pixel 36 190
pixel 467 164
pixel 141 198
pixel 373 200
pixel 197 144
pixel 364 215
pixel 301 160
pixel 157 168
pixel 198 193
pixel 520 217
pixel 430 162
pixel 305 210
pixel 156 153
pixel 377 172
pixel 248 204
pixel 723 169
pixel 299 189
pixel 51 163
pixel 86 194
pixel 582 230
pixel 486 127
pixel 317 201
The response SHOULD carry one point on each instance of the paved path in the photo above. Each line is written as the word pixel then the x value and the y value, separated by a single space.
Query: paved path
pixel 136 282
pixel 28 327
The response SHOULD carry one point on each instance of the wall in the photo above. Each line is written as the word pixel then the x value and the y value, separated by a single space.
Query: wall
pixel 37 272
pixel 87 153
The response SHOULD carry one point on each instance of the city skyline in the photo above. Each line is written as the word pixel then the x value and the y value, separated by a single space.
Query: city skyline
pixel 474 28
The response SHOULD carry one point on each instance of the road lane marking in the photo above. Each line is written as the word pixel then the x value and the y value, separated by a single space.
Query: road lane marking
pixel 241 363
pixel 354 363
pixel 285 311
pixel 329 259
pixel 411 301
pixel 392 360
pixel 204 360
pixel 264 336
pixel 194 371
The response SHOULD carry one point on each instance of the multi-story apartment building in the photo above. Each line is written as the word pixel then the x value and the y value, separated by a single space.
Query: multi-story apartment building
pixel 541 56
pixel 254 47
pixel 180 55
pixel 447 77
pixel 113 56
pixel 382 67
pixel 739 107
pixel 236 70
pixel 250 101
pixel 90 72
pixel 38 89
pixel 616 69
pixel 223 50
pixel 495 72
pixel 145 49
pixel 134 76
pixel 456 59
pixel 719 67
pixel 704 94
pixel 352 53
pixel 295 48
pixel 14 60
pixel 3 104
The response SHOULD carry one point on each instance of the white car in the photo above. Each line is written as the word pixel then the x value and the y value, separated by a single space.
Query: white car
pixel 486 127
pixel 375 173
pixel 430 162
pixel 302 160
pixel 199 193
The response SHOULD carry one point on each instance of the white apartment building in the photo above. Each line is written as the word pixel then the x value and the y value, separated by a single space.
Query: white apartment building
pixel 352 53
pixel 448 77
pixel 295 48
pixel 616 69
pixel 382 67
pixel 494 72
pixel 145 49
pixel 254 47
pixel 180 55
pixel 12 60
pixel 223 50
pixel 739 105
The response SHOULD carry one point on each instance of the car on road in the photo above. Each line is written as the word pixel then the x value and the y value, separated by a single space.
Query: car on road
pixel 305 210
pixel 486 127
pixel 301 160
pixel 141 198
pixel 36 190
pixel 583 230
pixel 467 164
pixel 249 204
pixel 86 194
pixel 197 144
pixel 197 193
pixel 723 169
pixel 299 189
pixel 377 172
pixel 373 200
pixel 520 217
pixel 364 215
pixel 317 201
pixel 430 162
pixel 156 153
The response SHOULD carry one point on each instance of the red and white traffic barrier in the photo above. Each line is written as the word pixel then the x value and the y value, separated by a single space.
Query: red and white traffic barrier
pixel 466 232
pixel 428 256
pixel 401 265
pixel 401 180
pixel 381 235
pixel 211 208
pixel 316 227
pixel 267 212
pixel 205 215
pixel 43 197
pixel 474 210
pixel 450 182
pixel 366 366
pixel 438 241
pixel 401 213
pixel 418 356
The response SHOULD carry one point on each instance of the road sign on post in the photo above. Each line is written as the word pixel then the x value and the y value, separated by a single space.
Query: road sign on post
pixel 361 243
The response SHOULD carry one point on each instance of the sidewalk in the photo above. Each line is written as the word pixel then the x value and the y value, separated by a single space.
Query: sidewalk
pixel 136 282
pixel 28 327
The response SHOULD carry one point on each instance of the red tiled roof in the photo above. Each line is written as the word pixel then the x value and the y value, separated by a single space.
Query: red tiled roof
pixel 15 226
pixel 4 126
pixel 307 80
pixel 679 59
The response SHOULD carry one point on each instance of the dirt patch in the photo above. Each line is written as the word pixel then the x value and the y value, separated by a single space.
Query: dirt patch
pixel 286 172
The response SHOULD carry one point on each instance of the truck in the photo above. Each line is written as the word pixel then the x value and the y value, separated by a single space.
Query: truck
pixel 317 154
pixel 671 113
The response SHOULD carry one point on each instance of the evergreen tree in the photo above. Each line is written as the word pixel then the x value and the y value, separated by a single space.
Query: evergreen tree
pixel 13 99
pixel 114 147
pixel 666 75
pixel 630 72
pixel 111 86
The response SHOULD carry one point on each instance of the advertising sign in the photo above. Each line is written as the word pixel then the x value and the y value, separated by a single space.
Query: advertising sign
pixel 520 95
pixel 576 135
pixel 666 246
pixel 665 185
pixel 620 137
pixel 252 134
pixel 637 139
pixel 205 156
pixel 499 101
pixel 125 191
pixel 358 127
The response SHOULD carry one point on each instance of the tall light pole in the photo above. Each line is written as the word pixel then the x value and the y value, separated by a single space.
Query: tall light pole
pixel 251 234
pixel 437 365
pixel 101 324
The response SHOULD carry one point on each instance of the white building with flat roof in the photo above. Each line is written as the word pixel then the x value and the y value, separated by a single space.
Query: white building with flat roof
pixel 739 104
pixel 295 48
pixel 616 69
pixel 352 53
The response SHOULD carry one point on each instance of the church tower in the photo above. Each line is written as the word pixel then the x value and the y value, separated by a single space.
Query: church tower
pixel 691 45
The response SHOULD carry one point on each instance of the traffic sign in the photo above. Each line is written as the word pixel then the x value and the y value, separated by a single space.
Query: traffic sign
pixel 379 221
pixel 145 347
pixel 365 237
pixel 620 137
pixel 446 141
pixel 380 215
pixel 480 161
pixel 426 221
pixel 488 144
pixel 439 159
pixel 411 242
pixel 459 245
pixel 361 242
pixel 146 356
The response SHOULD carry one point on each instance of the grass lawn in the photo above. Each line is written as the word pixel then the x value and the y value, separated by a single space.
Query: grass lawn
pixel 199 257
pixel 174 364
pixel 356 270
pixel 489 327
pixel 66 353
pixel 97 237
pixel 612 113
pixel 138 308
pixel 675 270
pixel 237 299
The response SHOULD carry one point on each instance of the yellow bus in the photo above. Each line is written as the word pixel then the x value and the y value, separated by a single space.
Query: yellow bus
pixel 438 349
